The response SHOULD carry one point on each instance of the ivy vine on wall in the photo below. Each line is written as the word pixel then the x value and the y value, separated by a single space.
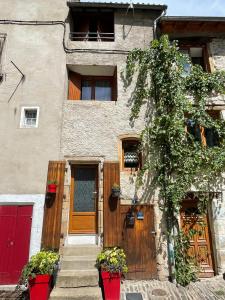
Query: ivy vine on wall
pixel 177 159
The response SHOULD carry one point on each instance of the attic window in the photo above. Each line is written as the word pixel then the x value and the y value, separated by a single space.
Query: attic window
pixel 92 25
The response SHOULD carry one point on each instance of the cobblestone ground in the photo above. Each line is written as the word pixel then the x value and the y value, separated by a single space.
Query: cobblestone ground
pixel 208 289
pixel 11 295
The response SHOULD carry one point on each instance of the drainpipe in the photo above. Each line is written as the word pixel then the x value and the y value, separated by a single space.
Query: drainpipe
pixel 155 23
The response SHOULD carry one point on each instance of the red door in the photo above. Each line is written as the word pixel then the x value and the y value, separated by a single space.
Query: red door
pixel 15 224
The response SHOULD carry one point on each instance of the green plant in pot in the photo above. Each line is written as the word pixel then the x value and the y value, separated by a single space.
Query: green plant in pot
pixel 38 274
pixel 112 264
pixel 115 190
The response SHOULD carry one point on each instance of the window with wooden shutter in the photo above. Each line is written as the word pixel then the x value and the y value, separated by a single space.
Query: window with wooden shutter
pixel 99 88
pixel 206 136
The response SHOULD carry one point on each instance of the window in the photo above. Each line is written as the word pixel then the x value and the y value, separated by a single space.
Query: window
pixel 198 56
pixel 131 156
pixel 29 117
pixel 99 88
pixel 92 25
pixel 207 136
pixel 96 88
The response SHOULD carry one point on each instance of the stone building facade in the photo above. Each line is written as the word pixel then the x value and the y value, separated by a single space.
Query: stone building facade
pixel 49 64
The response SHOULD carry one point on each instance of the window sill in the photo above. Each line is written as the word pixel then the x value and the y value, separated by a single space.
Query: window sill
pixel 92 101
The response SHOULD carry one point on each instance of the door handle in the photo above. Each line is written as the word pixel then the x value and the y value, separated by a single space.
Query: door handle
pixel 94 192
pixel 153 232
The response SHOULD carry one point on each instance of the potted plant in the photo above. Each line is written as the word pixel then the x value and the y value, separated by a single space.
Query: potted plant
pixel 112 264
pixel 52 185
pixel 37 274
pixel 115 190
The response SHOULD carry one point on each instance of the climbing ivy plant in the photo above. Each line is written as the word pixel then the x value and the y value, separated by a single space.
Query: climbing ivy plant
pixel 175 158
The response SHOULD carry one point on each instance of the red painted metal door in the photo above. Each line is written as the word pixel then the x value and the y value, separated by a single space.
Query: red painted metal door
pixel 15 224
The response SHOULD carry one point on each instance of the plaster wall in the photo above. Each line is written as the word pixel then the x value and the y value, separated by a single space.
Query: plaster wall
pixel 38 53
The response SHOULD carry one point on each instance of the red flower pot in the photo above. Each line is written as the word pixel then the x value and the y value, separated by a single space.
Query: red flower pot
pixel 40 287
pixel 52 188
pixel 111 284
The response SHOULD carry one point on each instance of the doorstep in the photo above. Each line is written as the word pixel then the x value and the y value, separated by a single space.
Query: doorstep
pixel 9 287
pixel 82 239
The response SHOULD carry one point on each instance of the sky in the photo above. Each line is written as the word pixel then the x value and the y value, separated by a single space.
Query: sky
pixel 215 8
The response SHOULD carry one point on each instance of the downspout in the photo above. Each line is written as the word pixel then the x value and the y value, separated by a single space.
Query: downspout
pixel 156 21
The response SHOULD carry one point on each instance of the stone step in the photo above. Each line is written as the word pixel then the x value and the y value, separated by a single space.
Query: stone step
pixel 78 262
pixel 77 278
pixel 87 293
pixel 81 250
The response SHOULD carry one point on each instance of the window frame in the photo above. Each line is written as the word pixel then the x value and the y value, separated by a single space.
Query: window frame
pixel 93 80
pixel 205 53
pixel 215 114
pixel 75 88
pixel 22 117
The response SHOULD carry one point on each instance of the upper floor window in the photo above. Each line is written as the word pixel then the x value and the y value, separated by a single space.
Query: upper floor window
pixel 207 136
pixel 93 87
pixel 29 117
pixel 92 25
pixel 198 55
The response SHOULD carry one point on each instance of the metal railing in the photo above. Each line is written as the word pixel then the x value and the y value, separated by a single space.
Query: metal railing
pixel 92 36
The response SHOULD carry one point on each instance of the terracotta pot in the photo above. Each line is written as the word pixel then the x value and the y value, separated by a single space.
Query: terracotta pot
pixel 40 287
pixel 52 188
pixel 111 285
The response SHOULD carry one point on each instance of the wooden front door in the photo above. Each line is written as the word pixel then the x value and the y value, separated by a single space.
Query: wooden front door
pixel 200 249
pixel 83 200
pixel 15 224
pixel 138 241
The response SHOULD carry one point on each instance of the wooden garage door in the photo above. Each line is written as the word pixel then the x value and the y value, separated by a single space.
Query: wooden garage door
pixel 15 224
pixel 138 241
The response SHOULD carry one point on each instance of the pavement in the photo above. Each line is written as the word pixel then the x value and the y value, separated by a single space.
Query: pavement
pixel 207 289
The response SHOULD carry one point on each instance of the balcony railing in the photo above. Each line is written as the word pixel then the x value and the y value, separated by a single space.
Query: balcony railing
pixel 92 36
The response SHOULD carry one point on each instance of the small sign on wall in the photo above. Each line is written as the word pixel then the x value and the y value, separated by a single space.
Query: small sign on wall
pixel 140 215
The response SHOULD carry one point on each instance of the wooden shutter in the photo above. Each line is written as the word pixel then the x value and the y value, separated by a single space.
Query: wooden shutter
pixel 53 207
pixel 111 206
pixel 74 86
pixel 206 59
pixel 114 86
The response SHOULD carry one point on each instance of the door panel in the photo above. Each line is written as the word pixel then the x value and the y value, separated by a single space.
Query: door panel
pixel 15 224
pixel 83 204
pixel 138 242
pixel 200 248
